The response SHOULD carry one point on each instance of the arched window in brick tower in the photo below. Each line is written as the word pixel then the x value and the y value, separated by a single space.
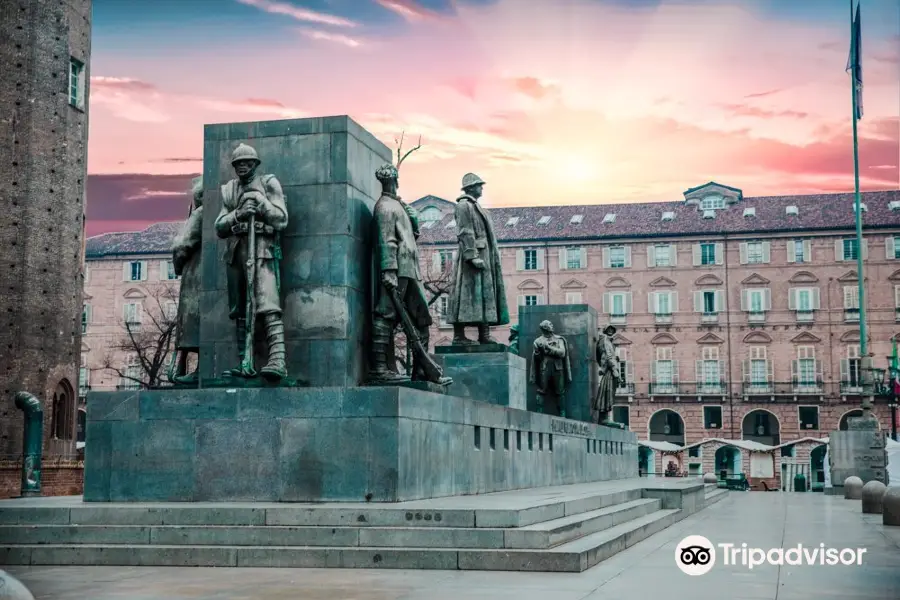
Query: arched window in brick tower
pixel 63 410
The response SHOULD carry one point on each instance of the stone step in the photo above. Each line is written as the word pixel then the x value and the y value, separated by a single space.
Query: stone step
pixel 431 514
pixel 539 536
pixel 715 496
pixel 574 556
pixel 559 531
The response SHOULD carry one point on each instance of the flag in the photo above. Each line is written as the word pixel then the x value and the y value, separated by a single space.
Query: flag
pixel 894 367
pixel 854 62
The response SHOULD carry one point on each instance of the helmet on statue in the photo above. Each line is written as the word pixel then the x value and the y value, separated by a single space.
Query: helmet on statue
pixel 244 152
pixel 471 179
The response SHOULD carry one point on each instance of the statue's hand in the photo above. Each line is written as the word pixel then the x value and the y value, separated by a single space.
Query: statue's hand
pixel 389 280
pixel 179 259
pixel 478 264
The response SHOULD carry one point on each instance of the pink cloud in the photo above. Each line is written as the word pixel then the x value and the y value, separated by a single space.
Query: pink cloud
pixel 336 38
pixel 410 10
pixel 300 14
pixel 527 95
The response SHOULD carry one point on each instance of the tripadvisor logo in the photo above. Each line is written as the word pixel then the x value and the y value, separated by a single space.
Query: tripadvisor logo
pixel 696 555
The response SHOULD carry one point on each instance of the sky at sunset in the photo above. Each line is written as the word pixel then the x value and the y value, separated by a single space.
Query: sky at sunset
pixel 550 101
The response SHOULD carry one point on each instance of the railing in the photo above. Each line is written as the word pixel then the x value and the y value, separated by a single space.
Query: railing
pixel 756 317
pixel 664 389
pixel 625 389
pixel 806 316
pixel 758 388
pixel 663 318
pixel 851 387
pixel 709 317
pixel 618 319
pixel 851 315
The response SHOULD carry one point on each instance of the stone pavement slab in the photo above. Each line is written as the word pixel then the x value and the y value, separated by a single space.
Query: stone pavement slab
pixel 646 569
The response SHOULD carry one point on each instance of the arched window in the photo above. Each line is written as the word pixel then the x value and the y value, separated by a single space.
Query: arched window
pixel 63 411
pixel 429 214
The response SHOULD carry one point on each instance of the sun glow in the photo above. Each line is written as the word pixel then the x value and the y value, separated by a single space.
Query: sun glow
pixel 578 169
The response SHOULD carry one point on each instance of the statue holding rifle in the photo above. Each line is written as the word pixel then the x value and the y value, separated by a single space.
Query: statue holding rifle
pixel 253 215
pixel 399 293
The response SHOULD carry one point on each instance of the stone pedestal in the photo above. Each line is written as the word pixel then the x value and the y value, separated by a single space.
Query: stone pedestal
pixel 859 452
pixel 486 372
pixel 326 167
pixel 378 444
pixel 578 324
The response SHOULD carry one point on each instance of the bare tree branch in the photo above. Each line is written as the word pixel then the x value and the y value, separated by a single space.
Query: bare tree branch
pixel 150 343
pixel 401 157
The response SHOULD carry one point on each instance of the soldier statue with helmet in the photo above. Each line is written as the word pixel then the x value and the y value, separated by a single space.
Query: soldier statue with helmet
pixel 478 296
pixel 253 215
pixel 399 293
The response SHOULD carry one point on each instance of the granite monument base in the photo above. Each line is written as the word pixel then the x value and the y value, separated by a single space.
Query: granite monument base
pixel 577 323
pixel 377 444
pixel 486 372
pixel 859 452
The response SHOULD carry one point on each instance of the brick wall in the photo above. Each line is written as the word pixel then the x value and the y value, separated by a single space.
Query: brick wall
pixel 42 233
pixel 58 478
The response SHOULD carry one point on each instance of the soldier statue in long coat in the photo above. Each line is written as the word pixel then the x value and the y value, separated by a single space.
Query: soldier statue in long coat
pixel 609 376
pixel 395 228
pixel 478 296
pixel 257 198
pixel 551 367
pixel 186 262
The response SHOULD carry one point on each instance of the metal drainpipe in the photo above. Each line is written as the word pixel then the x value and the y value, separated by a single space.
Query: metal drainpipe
pixel 728 340
pixel 547 267
pixel 31 447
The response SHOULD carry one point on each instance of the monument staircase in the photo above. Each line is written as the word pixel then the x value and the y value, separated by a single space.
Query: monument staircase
pixel 556 529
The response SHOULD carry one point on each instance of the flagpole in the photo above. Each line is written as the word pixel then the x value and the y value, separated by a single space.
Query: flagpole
pixel 865 362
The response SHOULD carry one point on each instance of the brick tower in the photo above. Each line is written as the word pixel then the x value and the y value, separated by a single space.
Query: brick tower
pixel 45 51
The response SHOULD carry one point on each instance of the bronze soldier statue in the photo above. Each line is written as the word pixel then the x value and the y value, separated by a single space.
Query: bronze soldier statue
pixel 399 293
pixel 186 261
pixel 253 215
pixel 478 296
pixel 550 367
pixel 609 376
pixel 514 339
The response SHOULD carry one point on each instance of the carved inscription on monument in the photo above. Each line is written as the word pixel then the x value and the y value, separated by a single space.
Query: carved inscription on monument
pixel 570 428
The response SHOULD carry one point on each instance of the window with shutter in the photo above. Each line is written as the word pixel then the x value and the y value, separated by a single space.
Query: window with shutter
pixel 708 254
pixel 85 317
pixel 573 297
pixel 850 249
pixel 617 257
pixel 651 256
pixel 530 260
pixel 573 258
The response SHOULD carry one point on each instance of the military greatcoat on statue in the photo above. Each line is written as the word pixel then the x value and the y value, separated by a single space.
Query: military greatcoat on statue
pixel 478 295
pixel 186 261
pixel 260 198
pixel 395 228
pixel 551 367
pixel 609 376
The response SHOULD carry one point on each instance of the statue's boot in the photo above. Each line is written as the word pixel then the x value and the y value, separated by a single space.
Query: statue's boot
pixel 241 331
pixel 189 379
pixel 459 337
pixel 275 368
pixel 419 373
pixel 381 347
pixel 484 335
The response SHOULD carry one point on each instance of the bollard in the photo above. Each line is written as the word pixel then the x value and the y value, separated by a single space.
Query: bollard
pixel 872 495
pixel 853 486
pixel 710 478
pixel 32 445
pixel 890 506
pixel 13 589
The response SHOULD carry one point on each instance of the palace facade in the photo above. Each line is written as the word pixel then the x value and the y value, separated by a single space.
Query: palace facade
pixel 738 318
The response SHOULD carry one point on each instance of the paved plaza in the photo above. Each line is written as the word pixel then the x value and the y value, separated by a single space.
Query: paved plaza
pixel 645 570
